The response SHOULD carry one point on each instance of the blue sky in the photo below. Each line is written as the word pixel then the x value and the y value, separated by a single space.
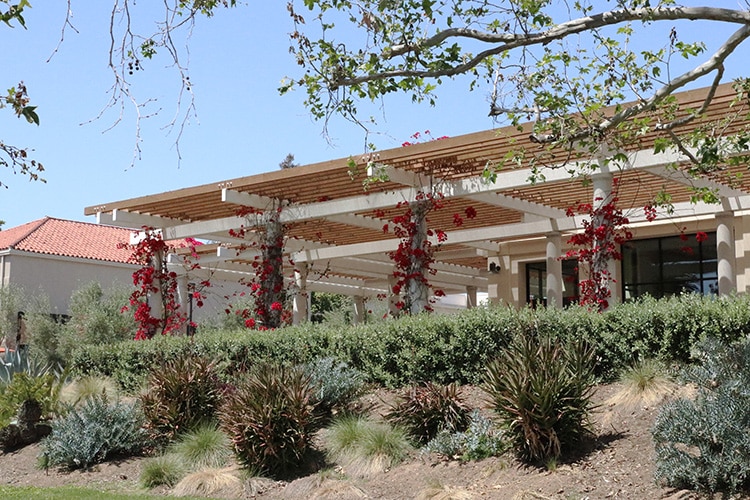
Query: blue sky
pixel 237 60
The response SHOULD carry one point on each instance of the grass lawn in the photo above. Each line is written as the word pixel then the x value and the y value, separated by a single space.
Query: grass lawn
pixel 69 493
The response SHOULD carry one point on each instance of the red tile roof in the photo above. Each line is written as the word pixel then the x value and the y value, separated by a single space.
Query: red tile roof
pixel 68 239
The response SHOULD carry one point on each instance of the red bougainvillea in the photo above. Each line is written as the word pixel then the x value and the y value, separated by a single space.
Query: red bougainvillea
pixel 155 301
pixel 267 287
pixel 603 233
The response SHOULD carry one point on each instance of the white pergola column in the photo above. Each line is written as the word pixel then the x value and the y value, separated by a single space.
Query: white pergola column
pixel 554 271
pixel 725 253
pixel 392 297
pixel 471 297
pixel 301 310
pixel 359 310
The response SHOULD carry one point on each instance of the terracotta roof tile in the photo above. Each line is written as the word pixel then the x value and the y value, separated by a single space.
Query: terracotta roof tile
pixel 68 239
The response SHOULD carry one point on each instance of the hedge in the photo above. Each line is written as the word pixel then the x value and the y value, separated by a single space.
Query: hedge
pixel 445 348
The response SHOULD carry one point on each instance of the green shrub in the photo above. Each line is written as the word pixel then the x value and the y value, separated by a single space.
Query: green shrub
pixel 335 384
pixel 703 443
pixel 443 348
pixel 271 418
pixel 426 410
pixel 181 394
pixel 94 432
pixel 480 440
pixel 96 318
pixel 541 390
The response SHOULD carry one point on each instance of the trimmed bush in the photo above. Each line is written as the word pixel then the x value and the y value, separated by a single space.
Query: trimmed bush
pixel 271 419
pixel 444 348
pixel 541 390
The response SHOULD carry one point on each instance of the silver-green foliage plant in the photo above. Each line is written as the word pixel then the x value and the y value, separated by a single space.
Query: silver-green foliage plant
pixel 703 443
pixel 541 389
pixel 482 439
pixel 94 432
pixel 335 384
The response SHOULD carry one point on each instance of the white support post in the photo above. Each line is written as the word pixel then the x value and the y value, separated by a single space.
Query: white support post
pixel 725 253
pixel 300 312
pixel 554 271
pixel 360 314
pixel 471 297
pixel 392 297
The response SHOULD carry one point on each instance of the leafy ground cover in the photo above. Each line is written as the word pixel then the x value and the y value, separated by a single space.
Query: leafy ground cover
pixel 618 463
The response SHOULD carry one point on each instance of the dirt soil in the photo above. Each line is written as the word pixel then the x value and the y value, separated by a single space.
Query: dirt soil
pixel 619 464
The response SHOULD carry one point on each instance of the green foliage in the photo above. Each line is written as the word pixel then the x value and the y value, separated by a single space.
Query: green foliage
pixel 43 333
pixel 703 443
pixel 334 383
pixel 271 418
pixel 479 441
pixel 181 394
pixel 204 447
pixel 83 388
pixel 426 410
pixel 330 308
pixel 93 433
pixel 42 385
pixel 96 318
pixel 541 390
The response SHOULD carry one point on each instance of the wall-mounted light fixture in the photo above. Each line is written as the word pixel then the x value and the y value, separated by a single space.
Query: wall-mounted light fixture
pixel 495 268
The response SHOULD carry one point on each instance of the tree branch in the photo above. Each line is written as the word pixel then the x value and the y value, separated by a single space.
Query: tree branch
pixel 510 41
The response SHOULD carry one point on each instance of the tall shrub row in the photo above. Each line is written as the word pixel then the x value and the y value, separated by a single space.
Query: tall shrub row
pixel 449 348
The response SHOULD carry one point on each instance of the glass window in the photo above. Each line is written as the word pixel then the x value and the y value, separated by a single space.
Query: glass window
pixel 669 266
pixel 536 282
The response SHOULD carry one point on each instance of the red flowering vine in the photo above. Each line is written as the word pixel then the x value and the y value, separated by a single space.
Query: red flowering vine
pixel 267 287
pixel 603 233
pixel 162 314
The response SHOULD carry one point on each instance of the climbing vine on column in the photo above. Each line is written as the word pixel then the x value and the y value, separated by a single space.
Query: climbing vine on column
pixel 155 301
pixel 267 287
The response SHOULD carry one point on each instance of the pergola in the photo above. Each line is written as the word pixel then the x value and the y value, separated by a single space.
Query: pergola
pixel 335 228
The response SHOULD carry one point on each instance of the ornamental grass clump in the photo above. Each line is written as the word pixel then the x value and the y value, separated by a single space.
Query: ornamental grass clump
pixel 271 419
pixel 703 443
pixel 423 411
pixel 541 390
pixel 362 447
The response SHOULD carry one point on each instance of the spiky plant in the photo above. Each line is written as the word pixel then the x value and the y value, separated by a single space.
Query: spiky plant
pixel 182 394
pixel 426 410
pixel 541 391
pixel 271 418
pixel 162 470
